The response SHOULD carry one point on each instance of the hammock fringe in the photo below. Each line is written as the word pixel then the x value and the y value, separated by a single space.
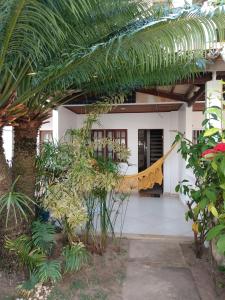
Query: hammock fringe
pixel 145 179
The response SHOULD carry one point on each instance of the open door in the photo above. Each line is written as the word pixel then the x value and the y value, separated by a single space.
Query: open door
pixel 150 149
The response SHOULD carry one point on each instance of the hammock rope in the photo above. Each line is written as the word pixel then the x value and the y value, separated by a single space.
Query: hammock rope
pixel 145 179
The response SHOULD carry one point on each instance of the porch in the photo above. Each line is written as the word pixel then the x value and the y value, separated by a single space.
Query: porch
pixel 155 216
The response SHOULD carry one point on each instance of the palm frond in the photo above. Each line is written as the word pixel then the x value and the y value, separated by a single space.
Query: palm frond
pixel 43 235
pixel 28 286
pixel 22 33
pixel 49 271
pixel 181 37
pixel 121 46
pixel 22 247
pixel 16 205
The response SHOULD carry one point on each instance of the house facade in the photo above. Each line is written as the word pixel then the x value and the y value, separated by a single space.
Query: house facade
pixel 147 124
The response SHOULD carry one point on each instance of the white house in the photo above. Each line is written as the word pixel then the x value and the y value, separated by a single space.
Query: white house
pixel 148 124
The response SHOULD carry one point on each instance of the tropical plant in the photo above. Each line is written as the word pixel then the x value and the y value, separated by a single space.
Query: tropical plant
pixel 86 175
pixel 75 256
pixel 34 253
pixel 43 236
pixel 106 213
pixel 28 256
pixel 15 206
pixel 207 160
pixel 49 271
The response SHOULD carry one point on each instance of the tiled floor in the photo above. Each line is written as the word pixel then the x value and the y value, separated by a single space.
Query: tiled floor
pixel 155 216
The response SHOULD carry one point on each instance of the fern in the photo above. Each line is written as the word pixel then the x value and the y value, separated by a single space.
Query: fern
pixel 75 257
pixel 43 235
pixel 49 270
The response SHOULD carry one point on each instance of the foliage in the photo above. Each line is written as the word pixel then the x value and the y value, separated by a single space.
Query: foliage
pixel 86 175
pixel 33 73
pixel 35 254
pixel 28 255
pixel 105 211
pixel 16 205
pixel 53 161
pixel 75 257
pixel 48 271
pixel 43 236
pixel 207 160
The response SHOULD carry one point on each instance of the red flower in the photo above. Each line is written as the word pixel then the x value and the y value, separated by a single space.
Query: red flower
pixel 219 147
pixel 207 152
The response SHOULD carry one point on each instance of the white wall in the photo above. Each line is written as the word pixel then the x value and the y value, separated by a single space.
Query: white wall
pixel 134 121
pixel 48 124
pixel 8 142
pixel 197 119
pixel 66 120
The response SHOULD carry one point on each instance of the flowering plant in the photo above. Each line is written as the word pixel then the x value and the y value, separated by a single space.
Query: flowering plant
pixel 206 205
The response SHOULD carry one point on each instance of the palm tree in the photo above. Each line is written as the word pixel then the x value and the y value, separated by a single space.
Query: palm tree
pixel 94 46
pixel 25 48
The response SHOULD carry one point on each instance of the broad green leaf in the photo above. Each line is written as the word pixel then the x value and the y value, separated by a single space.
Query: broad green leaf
pixel 202 204
pixel 214 110
pixel 222 186
pixel 211 195
pixel 196 210
pixel 205 122
pixel 177 188
pixel 222 166
pixel 221 244
pixel 210 132
pixel 214 165
pixel 213 232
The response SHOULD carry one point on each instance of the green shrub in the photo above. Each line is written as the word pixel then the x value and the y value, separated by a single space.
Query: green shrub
pixel 75 256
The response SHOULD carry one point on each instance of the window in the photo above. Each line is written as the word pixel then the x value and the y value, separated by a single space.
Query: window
pixel 195 135
pixel 45 136
pixel 118 135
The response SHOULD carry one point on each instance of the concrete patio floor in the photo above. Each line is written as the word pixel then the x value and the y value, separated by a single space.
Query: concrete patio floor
pixel 158 270
pixel 155 216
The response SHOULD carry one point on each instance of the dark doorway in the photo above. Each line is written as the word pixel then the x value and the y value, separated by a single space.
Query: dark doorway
pixel 150 149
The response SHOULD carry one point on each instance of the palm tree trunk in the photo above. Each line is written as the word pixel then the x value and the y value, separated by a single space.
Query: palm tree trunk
pixel 5 182
pixel 25 150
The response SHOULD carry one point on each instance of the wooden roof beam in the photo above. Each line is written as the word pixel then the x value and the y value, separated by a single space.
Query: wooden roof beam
pixel 197 96
pixel 189 91
pixel 163 94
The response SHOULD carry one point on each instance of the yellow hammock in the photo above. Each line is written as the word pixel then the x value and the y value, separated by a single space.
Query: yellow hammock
pixel 145 179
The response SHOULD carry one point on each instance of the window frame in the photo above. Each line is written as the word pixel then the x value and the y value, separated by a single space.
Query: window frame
pixel 105 135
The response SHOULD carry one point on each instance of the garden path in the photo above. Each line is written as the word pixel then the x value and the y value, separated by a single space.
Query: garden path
pixel 158 270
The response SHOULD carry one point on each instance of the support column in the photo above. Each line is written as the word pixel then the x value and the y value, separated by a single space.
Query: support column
pixel 214 97
pixel 55 125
